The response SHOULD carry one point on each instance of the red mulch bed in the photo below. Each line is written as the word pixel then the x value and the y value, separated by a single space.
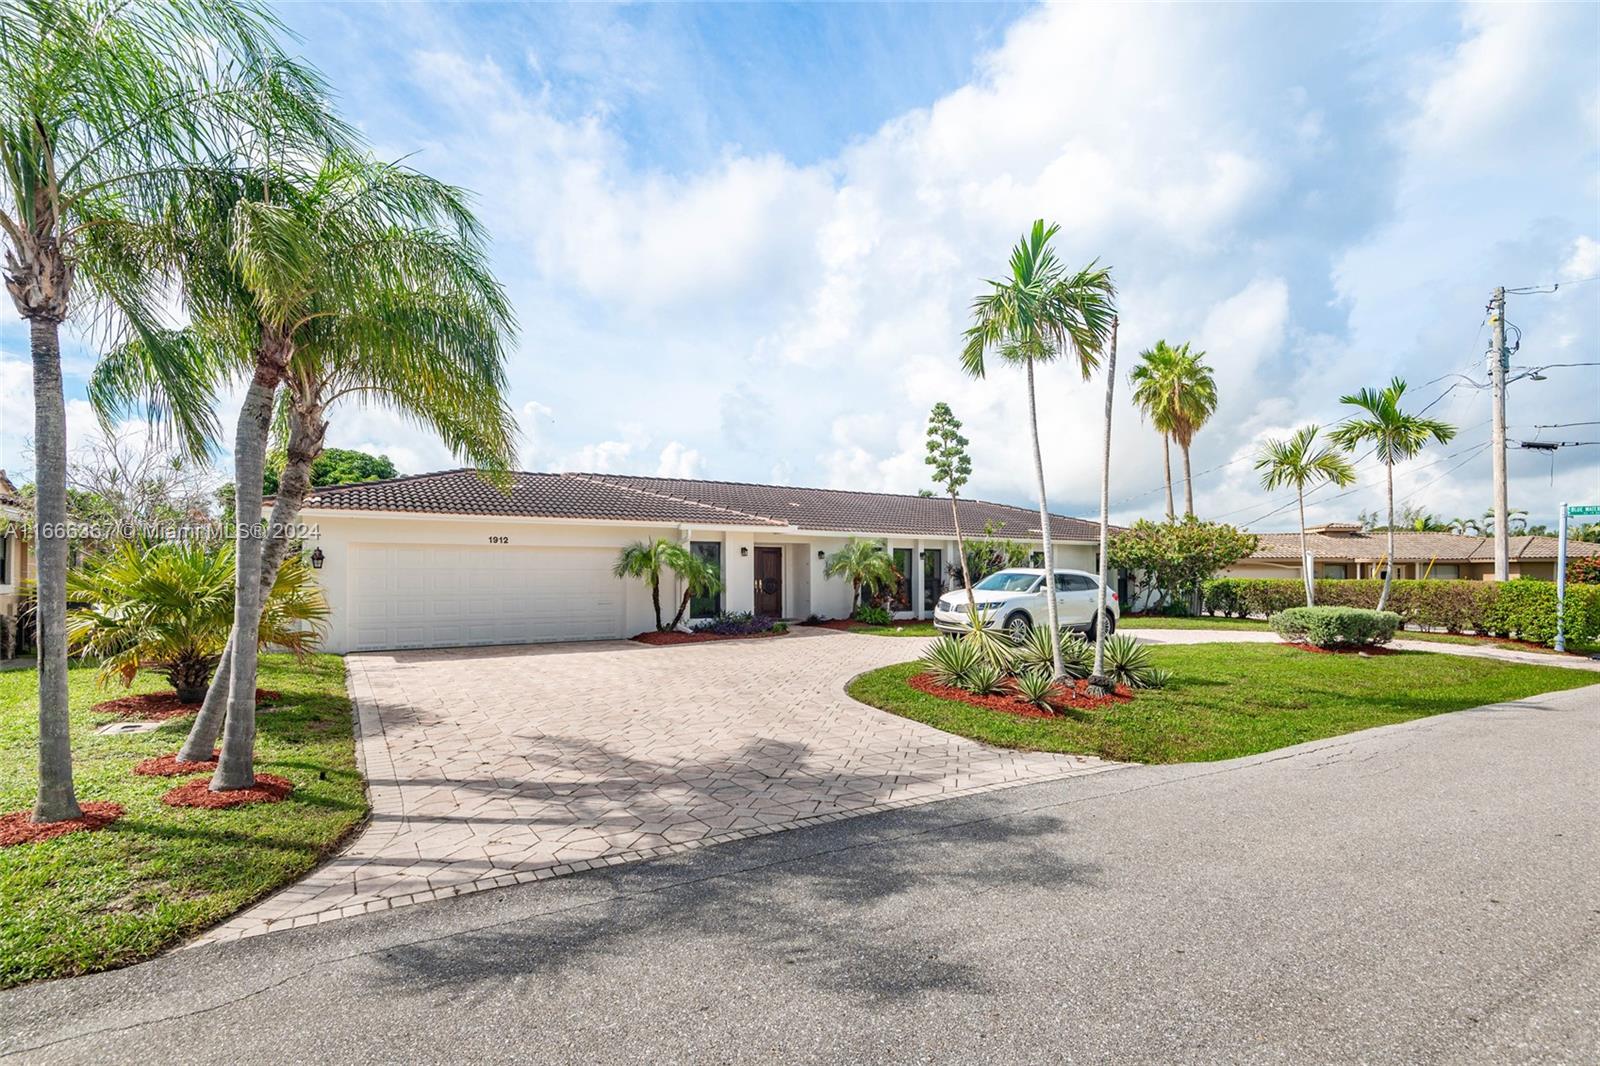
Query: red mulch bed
pixel 674 637
pixel 1072 696
pixel 159 706
pixel 19 828
pixel 1345 649
pixel 169 766
pixel 270 788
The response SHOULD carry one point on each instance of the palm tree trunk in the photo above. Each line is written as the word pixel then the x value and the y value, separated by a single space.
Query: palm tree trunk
pixel 306 431
pixel 57 799
pixel 1305 571
pixel 236 768
pixel 1056 669
pixel 1105 510
pixel 1388 568
pixel 961 552
pixel 655 598
pixel 1188 485
pixel 1166 467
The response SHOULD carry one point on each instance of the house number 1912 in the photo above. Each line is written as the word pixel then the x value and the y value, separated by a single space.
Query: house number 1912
pixel 499 540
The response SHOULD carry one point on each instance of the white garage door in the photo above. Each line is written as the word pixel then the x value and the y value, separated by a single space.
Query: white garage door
pixel 434 596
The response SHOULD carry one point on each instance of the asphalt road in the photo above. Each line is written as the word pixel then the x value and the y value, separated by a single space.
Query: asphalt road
pixel 1421 893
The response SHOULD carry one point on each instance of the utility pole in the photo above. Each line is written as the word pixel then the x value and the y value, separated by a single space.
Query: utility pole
pixel 1499 358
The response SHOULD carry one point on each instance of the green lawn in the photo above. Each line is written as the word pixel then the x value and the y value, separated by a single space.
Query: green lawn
pixel 88 901
pixel 898 629
pixel 1228 700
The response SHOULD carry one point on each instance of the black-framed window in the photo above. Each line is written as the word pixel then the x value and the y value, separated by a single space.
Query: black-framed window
pixel 711 552
pixel 932 577
pixel 902 588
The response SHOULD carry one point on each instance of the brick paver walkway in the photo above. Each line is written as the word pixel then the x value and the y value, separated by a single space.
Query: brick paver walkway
pixel 494 766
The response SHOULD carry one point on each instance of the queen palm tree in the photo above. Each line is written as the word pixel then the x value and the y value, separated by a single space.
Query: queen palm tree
pixel 1298 461
pixel 1395 436
pixel 1038 313
pixel 168 606
pixel 385 298
pixel 1176 389
pixel 103 108
pixel 866 564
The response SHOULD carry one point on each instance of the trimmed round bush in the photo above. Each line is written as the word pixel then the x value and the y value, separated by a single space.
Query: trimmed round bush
pixel 1331 627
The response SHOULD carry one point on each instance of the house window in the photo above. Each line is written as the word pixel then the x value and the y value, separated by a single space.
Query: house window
pixel 710 551
pixel 1036 560
pixel 1335 571
pixel 902 588
pixel 932 577
pixel 5 559
pixel 1446 571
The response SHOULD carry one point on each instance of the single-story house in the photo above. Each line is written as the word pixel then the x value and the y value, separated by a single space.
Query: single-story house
pixel 1345 550
pixel 16 561
pixel 444 559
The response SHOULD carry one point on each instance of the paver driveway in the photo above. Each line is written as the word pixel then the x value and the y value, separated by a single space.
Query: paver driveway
pixel 491 766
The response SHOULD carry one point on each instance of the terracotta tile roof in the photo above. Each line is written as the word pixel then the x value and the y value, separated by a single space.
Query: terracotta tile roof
pixel 9 496
pixel 1412 547
pixel 687 502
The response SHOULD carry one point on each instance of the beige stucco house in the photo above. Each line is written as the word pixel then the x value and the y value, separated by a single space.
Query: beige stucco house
pixel 16 561
pixel 447 559
pixel 1345 550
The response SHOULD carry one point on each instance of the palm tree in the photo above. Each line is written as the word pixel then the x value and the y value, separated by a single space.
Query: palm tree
pixel 866 564
pixel 1299 462
pixel 356 279
pixel 101 108
pixel 1152 397
pixel 646 559
pixel 699 577
pixel 952 466
pixel 1036 314
pixel 168 607
pixel 1395 436
pixel 1176 389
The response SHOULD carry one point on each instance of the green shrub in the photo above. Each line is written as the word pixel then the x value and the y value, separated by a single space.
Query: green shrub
pixel 1583 570
pixel 1127 662
pixel 949 661
pixel 1035 686
pixel 873 616
pixel 1032 652
pixel 1077 656
pixel 985 679
pixel 1526 609
pixel 1328 627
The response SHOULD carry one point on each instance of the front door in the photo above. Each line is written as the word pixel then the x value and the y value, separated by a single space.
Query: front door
pixel 901 600
pixel 769 581
pixel 932 577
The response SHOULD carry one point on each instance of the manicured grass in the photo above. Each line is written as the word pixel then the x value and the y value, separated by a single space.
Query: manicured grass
pixel 1200 622
pixel 899 629
pixel 1229 700
pixel 88 901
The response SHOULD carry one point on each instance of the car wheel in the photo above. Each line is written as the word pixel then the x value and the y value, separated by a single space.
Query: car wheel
pixel 1018 626
pixel 1111 625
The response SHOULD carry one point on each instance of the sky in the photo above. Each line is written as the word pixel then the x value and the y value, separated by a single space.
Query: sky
pixel 742 240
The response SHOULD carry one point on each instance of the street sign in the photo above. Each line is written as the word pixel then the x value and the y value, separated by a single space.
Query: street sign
pixel 1591 508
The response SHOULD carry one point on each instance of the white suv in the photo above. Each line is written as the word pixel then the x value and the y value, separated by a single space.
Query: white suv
pixel 1013 599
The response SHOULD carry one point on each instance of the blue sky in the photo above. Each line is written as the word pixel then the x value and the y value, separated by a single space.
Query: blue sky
pixel 741 239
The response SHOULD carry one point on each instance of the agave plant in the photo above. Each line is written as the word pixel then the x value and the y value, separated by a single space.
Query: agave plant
pixel 1128 662
pixel 1035 686
pixel 985 679
pixel 168 607
pixel 1077 656
pixel 1033 652
pixel 949 661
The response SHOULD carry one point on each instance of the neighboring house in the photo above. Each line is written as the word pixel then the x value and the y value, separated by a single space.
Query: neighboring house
pixel 1345 550
pixel 448 559
pixel 16 561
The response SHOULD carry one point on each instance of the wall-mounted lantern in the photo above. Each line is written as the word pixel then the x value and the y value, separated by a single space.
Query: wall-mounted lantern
pixel 744 551
pixel 316 558
pixel 821 554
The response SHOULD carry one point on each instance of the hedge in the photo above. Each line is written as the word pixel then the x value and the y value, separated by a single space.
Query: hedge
pixel 1330 627
pixel 1524 608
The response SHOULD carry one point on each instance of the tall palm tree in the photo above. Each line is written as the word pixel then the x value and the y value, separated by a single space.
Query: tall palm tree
pixel 699 577
pixel 866 564
pixel 1038 313
pixel 102 108
pixel 1298 461
pixel 1153 399
pixel 387 299
pixel 651 560
pixel 1175 387
pixel 1395 436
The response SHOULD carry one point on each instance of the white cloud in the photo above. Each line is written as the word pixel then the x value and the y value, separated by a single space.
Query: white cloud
pixel 678 460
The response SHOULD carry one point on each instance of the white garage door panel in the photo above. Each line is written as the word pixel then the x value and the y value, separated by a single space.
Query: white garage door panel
pixel 434 596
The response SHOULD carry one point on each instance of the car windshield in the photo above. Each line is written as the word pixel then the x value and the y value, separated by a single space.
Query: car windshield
pixel 1008 582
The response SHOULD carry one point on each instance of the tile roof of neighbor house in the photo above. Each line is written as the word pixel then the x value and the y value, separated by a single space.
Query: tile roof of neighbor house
pixel 687 502
pixel 1411 547
pixel 9 496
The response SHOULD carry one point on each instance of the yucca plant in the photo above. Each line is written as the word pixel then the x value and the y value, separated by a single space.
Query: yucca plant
pixel 1127 661
pixel 1035 686
pixel 1157 677
pixel 1034 651
pixel 985 679
pixel 1077 656
pixel 168 607
pixel 949 660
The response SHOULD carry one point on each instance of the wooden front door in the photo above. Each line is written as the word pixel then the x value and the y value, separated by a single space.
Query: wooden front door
pixel 769 581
